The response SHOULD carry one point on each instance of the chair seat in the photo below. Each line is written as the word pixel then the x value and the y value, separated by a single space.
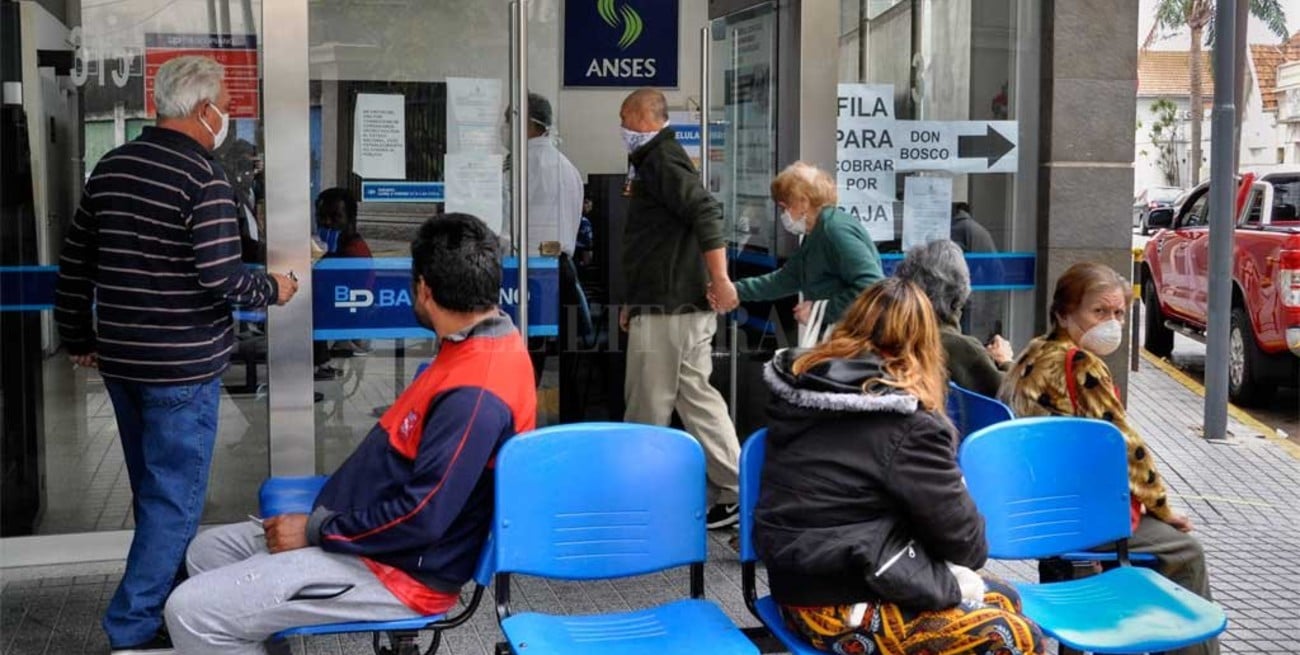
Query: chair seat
pixel 1125 610
pixel 685 626
pixel 416 623
pixel 770 615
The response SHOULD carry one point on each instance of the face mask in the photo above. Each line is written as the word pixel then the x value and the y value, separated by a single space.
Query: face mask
pixel 219 136
pixel 1104 338
pixel 329 237
pixel 633 140
pixel 791 224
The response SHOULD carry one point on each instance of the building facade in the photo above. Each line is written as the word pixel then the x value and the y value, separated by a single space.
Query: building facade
pixel 1010 106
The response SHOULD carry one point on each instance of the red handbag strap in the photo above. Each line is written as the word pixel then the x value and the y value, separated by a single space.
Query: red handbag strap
pixel 1071 385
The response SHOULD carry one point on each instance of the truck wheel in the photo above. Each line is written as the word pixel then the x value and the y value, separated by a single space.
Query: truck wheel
pixel 1159 339
pixel 1244 386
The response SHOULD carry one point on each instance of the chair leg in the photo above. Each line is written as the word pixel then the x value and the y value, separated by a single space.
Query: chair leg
pixel 502 648
pixel 435 644
pixel 399 643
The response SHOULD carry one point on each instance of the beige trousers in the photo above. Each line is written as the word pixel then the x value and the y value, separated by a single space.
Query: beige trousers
pixel 669 359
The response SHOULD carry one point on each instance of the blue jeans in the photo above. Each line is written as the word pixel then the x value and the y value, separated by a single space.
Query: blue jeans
pixel 167 434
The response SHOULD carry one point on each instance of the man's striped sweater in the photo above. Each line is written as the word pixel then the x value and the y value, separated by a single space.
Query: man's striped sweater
pixel 151 264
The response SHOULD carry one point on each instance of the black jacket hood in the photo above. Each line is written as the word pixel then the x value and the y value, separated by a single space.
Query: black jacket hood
pixel 836 385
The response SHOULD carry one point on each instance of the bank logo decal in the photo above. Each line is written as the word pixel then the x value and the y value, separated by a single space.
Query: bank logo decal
pixel 621 43
pixel 632 23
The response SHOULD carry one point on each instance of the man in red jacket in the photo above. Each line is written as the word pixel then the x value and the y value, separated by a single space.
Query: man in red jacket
pixel 398 527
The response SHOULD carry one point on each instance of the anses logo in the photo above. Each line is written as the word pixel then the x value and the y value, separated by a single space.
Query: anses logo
pixel 632 23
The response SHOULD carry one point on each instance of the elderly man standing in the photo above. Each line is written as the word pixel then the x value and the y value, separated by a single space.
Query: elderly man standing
pixel 155 248
pixel 674 259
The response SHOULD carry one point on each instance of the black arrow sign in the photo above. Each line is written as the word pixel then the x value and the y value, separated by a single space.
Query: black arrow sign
pixel 991 145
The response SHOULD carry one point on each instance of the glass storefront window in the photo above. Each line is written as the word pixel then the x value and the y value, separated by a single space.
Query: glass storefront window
pixel 928 138
pixel 64 469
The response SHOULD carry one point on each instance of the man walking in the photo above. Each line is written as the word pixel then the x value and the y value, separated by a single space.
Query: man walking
pixel 398 528
pixel 148 273
pixel 673 257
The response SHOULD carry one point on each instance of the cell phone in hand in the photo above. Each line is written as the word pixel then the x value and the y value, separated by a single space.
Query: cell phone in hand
pixel 995 333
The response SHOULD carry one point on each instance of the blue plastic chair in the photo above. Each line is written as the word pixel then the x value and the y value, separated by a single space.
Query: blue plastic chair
pixel 593 501
pixel 764 609
pixel 296 495
pixel 1047 486
pixel 971 412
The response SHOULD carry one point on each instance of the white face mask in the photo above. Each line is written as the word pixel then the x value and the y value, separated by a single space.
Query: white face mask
pixel 219 136
pixel 1104 338
pixel 633 140
pixel 795 226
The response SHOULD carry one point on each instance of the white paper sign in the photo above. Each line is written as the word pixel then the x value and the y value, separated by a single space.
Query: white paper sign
pixel 927 210
pixel 473 185
pixel 474 115
pixel 864 156
pixel 379 137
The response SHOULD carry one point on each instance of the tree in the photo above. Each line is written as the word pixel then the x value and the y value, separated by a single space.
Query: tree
pixel 1164 138
pixel 1198 17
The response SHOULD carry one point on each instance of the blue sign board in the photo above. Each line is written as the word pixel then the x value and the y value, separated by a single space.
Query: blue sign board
pixel 688 135
pixel 620 43
pixel 401 192
pixel 371 298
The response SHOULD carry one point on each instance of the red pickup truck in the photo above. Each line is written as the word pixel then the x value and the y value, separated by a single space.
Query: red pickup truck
pixel 1264 337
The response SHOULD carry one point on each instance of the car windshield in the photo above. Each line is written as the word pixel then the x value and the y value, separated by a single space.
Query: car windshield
pixel 1163 194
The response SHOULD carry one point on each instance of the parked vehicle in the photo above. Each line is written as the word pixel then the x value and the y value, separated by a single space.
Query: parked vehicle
pixel 1151 198
pixel 1264 335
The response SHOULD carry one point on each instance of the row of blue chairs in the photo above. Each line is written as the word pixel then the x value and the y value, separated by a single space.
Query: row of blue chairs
pixel 625 499
pixel 1046 487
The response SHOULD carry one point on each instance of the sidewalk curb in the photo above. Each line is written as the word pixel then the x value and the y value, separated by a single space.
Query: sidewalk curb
pixel 1235 412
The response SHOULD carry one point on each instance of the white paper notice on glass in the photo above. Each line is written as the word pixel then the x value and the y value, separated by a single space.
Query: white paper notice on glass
pixel 473 183
pixel 474 114
pixel 379 137
pixel 927 210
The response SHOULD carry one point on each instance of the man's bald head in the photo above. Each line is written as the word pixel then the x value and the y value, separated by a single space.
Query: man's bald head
pixel 644 110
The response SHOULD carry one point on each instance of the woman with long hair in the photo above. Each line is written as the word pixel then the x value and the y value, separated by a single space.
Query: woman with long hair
pixel 870 538
pixel 1062 374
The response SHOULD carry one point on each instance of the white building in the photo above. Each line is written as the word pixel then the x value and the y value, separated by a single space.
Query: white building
pixel 1270 126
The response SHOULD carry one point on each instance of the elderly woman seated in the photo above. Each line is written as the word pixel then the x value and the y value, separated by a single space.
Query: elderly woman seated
pixel 939 268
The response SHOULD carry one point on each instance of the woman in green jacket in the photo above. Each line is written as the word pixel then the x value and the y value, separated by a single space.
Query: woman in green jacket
pixel 837 259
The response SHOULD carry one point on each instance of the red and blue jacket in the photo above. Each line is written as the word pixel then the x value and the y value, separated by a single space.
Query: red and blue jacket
pixel 415 498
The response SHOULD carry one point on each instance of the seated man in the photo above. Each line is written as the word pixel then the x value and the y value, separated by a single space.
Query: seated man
pixel 400 524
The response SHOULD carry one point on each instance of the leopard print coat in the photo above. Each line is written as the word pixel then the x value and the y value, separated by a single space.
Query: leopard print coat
pixel 1036 386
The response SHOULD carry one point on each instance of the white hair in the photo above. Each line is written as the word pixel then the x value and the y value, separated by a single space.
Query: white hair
pixel 184 82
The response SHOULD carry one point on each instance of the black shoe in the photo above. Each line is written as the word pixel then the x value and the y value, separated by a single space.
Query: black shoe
pixel 723 515
pixel 327 372
pixel 161 644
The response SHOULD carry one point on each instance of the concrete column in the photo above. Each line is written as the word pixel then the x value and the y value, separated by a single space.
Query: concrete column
pixel 1089 87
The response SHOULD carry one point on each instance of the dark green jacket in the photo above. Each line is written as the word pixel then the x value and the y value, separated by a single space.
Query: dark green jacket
pixel 969 365
pixel 836 261
pixel 671 221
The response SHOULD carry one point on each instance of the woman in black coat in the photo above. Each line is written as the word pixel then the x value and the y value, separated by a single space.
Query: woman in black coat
pixel 869 537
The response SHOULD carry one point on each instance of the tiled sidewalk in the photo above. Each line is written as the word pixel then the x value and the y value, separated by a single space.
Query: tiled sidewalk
pixel 1244 496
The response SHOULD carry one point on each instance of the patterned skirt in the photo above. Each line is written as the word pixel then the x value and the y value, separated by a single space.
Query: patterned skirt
pixel 994 628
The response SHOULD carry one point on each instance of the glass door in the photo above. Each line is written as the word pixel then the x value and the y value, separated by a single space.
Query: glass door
pixel 87 77
pixel 741 110
pixel 414 111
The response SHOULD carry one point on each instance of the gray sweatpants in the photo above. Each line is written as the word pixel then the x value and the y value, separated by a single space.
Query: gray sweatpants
pixel 239 594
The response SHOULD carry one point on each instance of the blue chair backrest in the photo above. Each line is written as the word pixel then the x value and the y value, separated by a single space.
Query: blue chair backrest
pixel 289 495
pixel 599 500
pixel 751 473
pixel 971 412
pixel 1048 486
